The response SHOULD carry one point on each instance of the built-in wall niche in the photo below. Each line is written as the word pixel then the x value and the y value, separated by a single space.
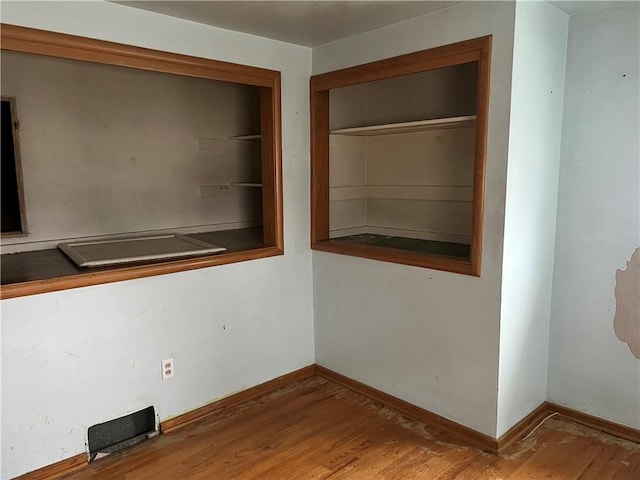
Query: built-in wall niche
pixel 398 158
pixel 119 142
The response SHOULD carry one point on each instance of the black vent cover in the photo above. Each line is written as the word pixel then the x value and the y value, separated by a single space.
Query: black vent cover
pixel 120 433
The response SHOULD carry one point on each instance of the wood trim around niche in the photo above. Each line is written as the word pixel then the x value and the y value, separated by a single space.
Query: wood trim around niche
pixel 28 40
pixel 474 50
pixel 52 44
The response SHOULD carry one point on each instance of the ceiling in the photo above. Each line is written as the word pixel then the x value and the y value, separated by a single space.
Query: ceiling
pixel 575 7
pixel 313 23
pixel 309 23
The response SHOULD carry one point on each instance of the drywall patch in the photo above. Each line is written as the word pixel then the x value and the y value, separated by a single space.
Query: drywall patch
pixel 626 322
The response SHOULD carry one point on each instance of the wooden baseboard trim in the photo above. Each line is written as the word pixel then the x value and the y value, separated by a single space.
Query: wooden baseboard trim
pixel 441 424
pixel 58 469
pixel 612 428
pixel 472 437
pixel 521 429
pixel 434 421
pixel 187 418
pixel 70 465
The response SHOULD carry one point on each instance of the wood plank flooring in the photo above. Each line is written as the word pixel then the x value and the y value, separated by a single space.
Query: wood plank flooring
pixel 315 429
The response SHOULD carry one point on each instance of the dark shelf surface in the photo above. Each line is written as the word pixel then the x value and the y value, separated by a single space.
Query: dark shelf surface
pixel 412 244
pixel 52 263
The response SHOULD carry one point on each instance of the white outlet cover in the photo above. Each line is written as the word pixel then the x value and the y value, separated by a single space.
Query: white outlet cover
pixel 168 368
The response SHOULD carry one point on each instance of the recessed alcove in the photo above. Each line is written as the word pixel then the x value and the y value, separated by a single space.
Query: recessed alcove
pixel 122 143
pixel 399 155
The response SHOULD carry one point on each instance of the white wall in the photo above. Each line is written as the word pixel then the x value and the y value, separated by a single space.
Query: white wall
pixel 412 185
pixel 348 179
pixel 532 190
pixel 421 184
pixel 598 225
pixel 75 358
pixel 426 336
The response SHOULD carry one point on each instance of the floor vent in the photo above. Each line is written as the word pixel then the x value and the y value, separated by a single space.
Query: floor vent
pixel 120 433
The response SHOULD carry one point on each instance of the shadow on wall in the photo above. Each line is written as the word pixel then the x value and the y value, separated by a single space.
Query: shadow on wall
pixel 626 322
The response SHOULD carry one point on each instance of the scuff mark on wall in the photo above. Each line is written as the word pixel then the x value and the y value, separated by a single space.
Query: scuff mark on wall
pixel 626 322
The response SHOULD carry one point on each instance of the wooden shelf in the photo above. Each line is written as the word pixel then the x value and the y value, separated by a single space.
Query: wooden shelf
pixel 251 138
pixel 408 127
pixel 246 184
pixel 234 184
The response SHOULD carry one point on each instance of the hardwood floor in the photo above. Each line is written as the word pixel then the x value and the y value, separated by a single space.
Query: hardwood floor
pixel 315 429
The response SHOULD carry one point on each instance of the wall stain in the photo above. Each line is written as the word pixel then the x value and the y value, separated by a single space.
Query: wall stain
pixel 626 322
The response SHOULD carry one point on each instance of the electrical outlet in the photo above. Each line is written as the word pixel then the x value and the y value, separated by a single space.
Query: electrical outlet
pixel 168 368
